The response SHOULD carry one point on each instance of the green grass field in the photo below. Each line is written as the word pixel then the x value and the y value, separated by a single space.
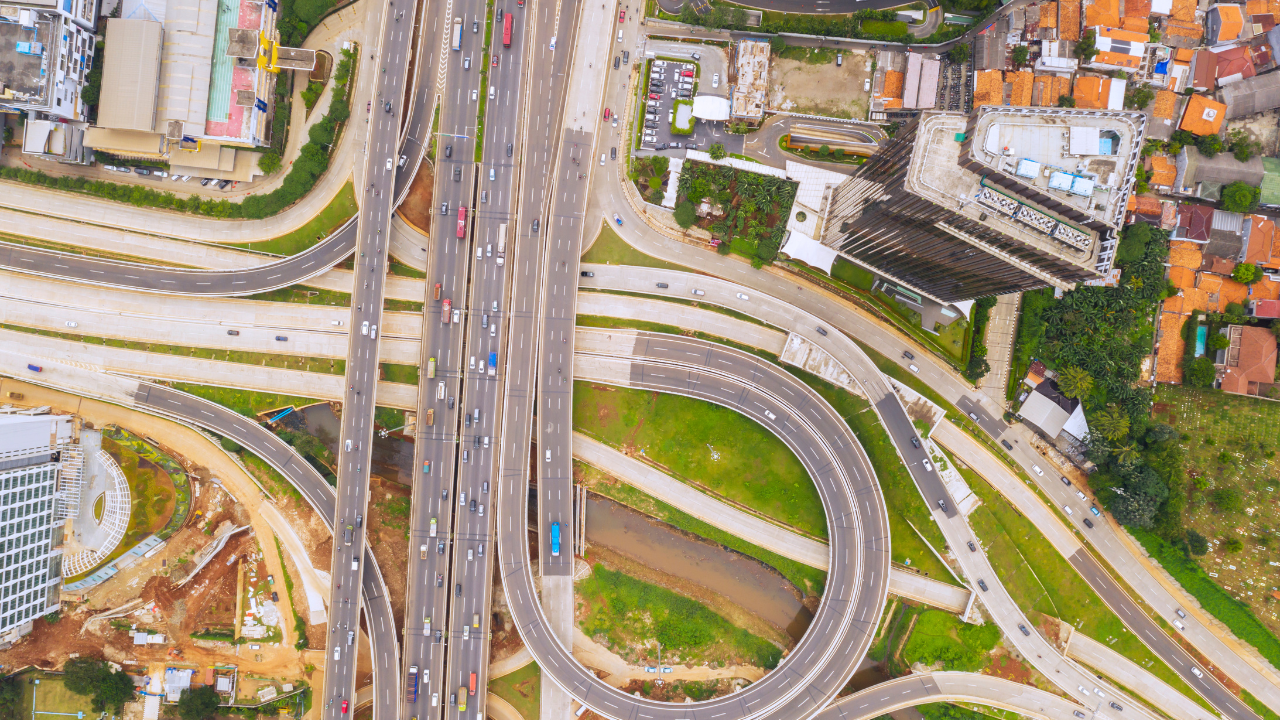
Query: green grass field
pixel 883 27
pixel 245 402
pixel 392 372
pixel 1041 581
pixel 522 688
pixel 942 636
pixel 306 296
pixel 610 249
pixel 709 445
pixel 630 612
pixel 338 211
pixel 50 695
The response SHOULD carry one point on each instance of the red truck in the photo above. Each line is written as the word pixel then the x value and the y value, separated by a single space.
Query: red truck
pixel 462 222
pixel 448 307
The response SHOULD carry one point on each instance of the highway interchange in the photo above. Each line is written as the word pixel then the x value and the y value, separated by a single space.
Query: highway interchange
pixel 478 443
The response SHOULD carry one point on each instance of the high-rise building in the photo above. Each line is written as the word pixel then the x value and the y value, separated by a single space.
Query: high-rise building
pixel 1005 199
pixel 32 503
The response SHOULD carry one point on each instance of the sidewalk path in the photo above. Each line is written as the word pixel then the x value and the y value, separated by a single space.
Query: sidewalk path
pixel 500 709
pixel 508 665
pixel 313 586
pixel 1001 327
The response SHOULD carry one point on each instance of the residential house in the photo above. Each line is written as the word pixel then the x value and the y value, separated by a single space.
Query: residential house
pixel 1161 114
pixel 1098 93
pixel 1204 71
pixel 1179 69
pixel 1252 95
pixel 1020 87
pixel 1203 177
pixel 1145 209
pixel 1119 50
pixel 1046 89
pixel 1053 413
pixel 1203 116
pixel 1264 309
pixel 1069 19
pixel 1249 365
pixel 1164 172
pixel 1233 65
pixel 988 88
pixel 1223 23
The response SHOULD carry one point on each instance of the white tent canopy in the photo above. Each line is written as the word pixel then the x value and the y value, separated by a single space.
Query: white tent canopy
pixel 710 107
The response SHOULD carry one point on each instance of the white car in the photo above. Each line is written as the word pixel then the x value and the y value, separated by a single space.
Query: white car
pixel 553 42
pixel 108 167
pixel 364 328
pixel 715 80
pixel 866 85
pixel 390 162
pixel 373 332
pixel 160 174
pixel 928 466
pixel 743 297
pixel 72 323
pixel 475 95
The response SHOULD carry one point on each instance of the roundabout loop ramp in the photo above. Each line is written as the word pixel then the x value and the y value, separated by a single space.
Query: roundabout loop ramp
pixel 806 680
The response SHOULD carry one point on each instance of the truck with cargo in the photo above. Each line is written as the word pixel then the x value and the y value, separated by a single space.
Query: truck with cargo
pixel 411 685
pixel 493 363
pixel 448 307
pixel 457 33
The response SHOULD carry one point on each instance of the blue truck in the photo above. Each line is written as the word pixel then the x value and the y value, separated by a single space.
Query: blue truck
pixel 493 363
pixel 411 693
pixel 555 539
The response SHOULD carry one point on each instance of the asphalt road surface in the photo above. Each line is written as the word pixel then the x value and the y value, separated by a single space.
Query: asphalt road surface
pixel 841 630
pixel 268 446
pixel 313 261
pixel 373 231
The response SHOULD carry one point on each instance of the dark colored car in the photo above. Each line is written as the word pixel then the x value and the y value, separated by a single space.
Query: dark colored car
pixel 616 61
pixel 387 107
pixel 282 338
pixel 439 579
pixel 821 331
pixel 233 332
pixel 972 547
pixel 1024 629
pixel 224 184
pixel 942 504
pixel 907 354
pixel 915 441
pixel 473 506
pixel 448 151
pixel 457 590
pixel 588 273
pixel 1088 523
pixel 440 548
pixel 1065 481
pixel 982 584
pixel 1116 707
pixel 275 596
pixel 1006 444
pixel 205 182
pixel 663 285
pixel 509 149
pixel 535 225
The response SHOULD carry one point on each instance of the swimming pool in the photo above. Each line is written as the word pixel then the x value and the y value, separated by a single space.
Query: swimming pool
pixel 1201 333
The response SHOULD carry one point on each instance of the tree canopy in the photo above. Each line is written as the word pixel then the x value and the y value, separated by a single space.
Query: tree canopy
pixel 198 704
pixel 1240 197
pixel 1246 273
pixel 110 689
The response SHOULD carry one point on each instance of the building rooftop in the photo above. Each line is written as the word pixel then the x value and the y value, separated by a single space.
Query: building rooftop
pixel 1069 19
pixel 23 50
pixel 1252 95
pixel 989 88
pixel 1077 161
pixel 1203 116
pixel 1250 361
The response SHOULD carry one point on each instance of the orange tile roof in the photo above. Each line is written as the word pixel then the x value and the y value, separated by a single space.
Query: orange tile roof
pixel 1137 25
pixel 1209 283
pixel 1255 362
pixel 1049 15
pixel 1256 7
pixel 1184 28
pixel 1203 116
pixel 1091 93
pixel 1231 292
pixel 1184 10
pixel 1165 103
pixel 1122 34
pixel 1123 60
pixel 1183 278
pixel 1146 205
pixel 1105 13
pixel 1069 19
pixel 1021 82
pixel 1184 254
pixel 1051 88
pixel 989 88
pixel 893 83
pixel 1232 22
pixel 1183 54
pixel 1163 171
pixel 1140 9
pixel 1261 236
pixel 1169 359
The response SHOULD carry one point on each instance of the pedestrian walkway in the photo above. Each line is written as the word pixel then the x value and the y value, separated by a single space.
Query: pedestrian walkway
pixel 1001 327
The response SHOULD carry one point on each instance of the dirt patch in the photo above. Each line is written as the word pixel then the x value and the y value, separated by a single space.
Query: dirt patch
pixel 822 89
pixel 1003 665
pixel 416 208
pixel 1263 129
pixel 387 531
pixel 505 640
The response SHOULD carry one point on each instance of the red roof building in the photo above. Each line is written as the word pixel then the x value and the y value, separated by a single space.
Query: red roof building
pixel 1251 360
pixel 1194 222
pixel 1264 308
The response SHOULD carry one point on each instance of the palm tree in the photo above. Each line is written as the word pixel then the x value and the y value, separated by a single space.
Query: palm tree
pixel 1126 454
pixel 1075 382
pixel 1112 422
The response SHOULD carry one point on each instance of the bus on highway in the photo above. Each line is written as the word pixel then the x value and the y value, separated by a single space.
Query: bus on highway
pixel 555 539
pixel 457 33
pixel 431 368
pixel 462 222
pixel 502 238
pixel 506 31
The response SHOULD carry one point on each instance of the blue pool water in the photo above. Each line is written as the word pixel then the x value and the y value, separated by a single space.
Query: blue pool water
pixel 1201 333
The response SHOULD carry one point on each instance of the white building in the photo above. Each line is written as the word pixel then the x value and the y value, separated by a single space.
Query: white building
pixel 46 53
pixel 31 501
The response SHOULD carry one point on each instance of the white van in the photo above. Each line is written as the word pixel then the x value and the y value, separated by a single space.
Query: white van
pixel 348 446
pixel 619 34
pixel 548 456
pixel 493 92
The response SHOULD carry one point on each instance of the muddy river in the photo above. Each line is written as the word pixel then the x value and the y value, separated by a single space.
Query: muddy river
pixel 746 581
pixel 392 457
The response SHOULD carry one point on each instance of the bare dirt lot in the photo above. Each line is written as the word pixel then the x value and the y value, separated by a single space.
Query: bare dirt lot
pixel 387 531
pixel 416 208
pixel 807 81
pixel 1262 128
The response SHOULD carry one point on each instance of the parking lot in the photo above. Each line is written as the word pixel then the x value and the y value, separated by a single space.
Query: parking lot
pixel 662 88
